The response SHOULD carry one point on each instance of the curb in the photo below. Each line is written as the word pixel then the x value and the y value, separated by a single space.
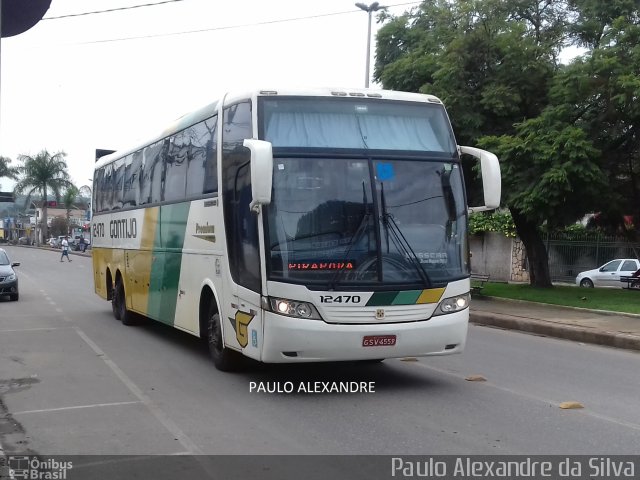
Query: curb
pixel 557 330
pixel 51 249
pixel 553 305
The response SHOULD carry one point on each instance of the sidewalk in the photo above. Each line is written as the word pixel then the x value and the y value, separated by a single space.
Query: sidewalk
pixel 619 330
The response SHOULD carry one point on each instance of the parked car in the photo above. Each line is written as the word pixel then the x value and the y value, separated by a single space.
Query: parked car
pixel 53 242
pixel 8 277
pixel 24 241
pixel 608 275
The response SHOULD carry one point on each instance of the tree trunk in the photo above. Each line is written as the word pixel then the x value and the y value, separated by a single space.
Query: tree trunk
pixel 537 257
pixel 43 226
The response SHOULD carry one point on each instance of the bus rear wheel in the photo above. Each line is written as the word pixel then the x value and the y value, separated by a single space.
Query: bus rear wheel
pixel 224 359
pixel 119 305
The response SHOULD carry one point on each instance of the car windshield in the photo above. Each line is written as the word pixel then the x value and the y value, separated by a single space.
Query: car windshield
pixel 328 224
pixel 611 266
pixel 4 260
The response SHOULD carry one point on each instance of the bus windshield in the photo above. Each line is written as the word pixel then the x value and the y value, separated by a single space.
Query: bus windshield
pixel 329 225
pixel 338 123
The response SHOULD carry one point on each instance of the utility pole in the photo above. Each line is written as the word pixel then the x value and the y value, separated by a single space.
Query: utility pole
pixel 374 7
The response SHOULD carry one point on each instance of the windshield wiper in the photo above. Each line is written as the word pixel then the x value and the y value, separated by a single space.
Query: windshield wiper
pixel 364 222
pixel 400 241
pixel 449 200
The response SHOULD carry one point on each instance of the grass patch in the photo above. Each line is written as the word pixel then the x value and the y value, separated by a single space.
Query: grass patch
pixel 612 299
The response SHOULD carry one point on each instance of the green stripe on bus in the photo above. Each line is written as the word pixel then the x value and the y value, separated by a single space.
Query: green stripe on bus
pixel 167 262
pixel 381 298
pixel 407 298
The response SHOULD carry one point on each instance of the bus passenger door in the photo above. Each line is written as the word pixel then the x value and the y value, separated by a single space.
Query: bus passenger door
pixel 244 263
pixel 242 323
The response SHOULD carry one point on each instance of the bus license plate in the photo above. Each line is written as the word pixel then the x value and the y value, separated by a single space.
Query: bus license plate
pixel 379 341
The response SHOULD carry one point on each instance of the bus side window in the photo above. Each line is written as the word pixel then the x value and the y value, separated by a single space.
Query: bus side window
pixel 152 174
pixel 211 152
pixel 118 184
pixel 202 172
pixel 97 191
pixel 175 167
pixel 130 182
pixel 107 187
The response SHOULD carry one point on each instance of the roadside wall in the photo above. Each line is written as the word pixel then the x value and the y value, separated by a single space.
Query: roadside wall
pixel 491 254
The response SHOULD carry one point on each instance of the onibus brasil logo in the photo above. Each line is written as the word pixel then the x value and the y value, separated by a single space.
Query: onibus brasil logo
pixel 34 468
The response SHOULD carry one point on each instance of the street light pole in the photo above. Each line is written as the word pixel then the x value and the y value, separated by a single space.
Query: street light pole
pixel 374 7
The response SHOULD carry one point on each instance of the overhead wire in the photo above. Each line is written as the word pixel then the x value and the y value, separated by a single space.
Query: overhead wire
pixel 202 30
pixel 109 10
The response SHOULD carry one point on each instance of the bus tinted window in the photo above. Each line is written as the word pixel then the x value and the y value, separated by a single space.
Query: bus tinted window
pixel 202 174
pixel 130 182
pixel 175 167
pixel 152 176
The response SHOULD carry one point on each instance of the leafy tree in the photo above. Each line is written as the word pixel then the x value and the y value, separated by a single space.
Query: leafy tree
pixel 544 166
pixel 599 94
pixel 42 173
pixel 565 134
pixel 59 226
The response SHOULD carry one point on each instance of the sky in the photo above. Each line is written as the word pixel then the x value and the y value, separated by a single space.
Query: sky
pixel 108 80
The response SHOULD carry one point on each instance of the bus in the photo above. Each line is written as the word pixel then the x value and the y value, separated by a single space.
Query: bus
pixel 295 226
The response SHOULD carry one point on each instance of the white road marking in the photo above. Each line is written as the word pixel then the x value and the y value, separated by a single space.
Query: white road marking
pixel 162 417
pixel 60 409
pixel 33 329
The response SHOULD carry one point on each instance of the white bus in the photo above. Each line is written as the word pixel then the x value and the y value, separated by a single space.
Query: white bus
pixel 294 226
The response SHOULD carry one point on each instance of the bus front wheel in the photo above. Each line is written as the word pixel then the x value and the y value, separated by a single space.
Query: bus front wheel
pixel 224 359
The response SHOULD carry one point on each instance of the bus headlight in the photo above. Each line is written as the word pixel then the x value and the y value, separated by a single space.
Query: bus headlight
pixel 293 308
pixel 452 304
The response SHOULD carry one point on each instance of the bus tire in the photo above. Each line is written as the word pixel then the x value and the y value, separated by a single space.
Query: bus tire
pixel 115 307
pixel 119 304
pixel 224 359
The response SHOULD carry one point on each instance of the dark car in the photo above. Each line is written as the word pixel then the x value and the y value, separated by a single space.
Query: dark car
pixel 8 277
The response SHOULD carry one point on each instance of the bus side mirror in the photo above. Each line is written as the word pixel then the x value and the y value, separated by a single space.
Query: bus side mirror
pixel 261 172
pixel 491 179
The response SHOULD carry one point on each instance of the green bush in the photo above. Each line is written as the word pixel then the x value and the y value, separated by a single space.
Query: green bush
pixel 500 222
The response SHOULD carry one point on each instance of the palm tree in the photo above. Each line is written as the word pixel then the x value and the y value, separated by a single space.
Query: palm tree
pixel 7 171
pixel 42 173
pixel 68 199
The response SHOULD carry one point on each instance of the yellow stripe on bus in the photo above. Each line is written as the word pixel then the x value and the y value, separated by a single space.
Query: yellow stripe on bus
pixel 430 296
pixel 141 262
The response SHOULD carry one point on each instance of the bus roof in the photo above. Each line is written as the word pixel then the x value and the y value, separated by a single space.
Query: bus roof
pixel 209 110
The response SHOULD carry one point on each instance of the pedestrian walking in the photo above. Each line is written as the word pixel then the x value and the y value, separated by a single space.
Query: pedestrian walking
pixel 65 249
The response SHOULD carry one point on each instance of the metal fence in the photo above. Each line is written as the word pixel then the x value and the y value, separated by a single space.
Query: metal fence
pixel 570 256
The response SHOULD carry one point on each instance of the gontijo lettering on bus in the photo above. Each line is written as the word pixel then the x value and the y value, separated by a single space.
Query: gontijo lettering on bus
pixel 123 228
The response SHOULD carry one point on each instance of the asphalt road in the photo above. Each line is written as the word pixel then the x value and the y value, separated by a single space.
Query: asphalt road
pixel 73 380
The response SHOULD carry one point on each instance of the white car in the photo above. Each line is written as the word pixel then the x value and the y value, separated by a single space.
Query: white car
pixel 608 275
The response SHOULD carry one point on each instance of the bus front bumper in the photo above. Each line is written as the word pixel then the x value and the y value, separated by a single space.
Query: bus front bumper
pixel 291 340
